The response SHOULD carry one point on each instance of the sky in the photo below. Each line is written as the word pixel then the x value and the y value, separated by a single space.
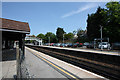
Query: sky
pixel 46 17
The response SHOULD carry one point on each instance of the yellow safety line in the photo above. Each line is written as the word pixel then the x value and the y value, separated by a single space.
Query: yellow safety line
pixel 56 66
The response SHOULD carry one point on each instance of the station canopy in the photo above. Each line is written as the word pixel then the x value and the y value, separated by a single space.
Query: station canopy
pixel 12 29
pixel 14 26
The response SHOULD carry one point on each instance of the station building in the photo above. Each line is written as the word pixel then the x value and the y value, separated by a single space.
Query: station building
pixel 33 40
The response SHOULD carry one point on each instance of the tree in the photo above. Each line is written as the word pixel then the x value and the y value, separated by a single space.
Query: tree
pixel 74 32
pixel 112 19
pixel 33 35
pixel 81 35
pixel 59 34
pixel 42 36
pixel 93 24
pixel 52 36
pixel 69 36
pixel 109 19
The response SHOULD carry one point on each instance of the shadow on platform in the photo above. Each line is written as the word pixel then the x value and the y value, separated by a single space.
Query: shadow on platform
pixel 9 54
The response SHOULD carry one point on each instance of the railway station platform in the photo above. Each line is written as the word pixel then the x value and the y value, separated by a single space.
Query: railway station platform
pixel 41 65
pixel 9 70
pixel 88 50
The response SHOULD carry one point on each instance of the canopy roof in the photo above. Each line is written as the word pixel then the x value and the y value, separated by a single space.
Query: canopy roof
pixel 12 25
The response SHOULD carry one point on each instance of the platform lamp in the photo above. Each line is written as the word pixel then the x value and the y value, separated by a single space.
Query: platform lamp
pixel 49 40
pixel 101 36
pixel 63 39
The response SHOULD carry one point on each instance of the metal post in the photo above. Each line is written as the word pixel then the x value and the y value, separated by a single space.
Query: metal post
pixel 108 43
pixel 63 39
pixel 39 43
pixel 101 37
pixel 94 43
pixel 49 41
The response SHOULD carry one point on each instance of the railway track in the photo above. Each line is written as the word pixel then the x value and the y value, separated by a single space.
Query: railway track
pixel 110 71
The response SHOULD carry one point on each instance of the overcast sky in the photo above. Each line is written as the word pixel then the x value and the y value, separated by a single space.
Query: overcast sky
pixel 47 16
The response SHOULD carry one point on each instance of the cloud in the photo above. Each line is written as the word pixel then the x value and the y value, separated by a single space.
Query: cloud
pixel 86 7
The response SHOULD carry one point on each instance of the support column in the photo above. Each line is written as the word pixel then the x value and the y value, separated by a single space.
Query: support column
pixel 22 44
pixel 6 43
pixel 39 43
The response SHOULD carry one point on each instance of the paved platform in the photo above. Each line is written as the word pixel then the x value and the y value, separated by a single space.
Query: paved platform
pixel 87 50
pixel 8 63
pixel 9 69
pixel 37 68
pixel 41 69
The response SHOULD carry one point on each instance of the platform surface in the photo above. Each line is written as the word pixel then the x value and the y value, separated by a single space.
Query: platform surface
pixel 9 69
pixel 41 69
pixel 37 68
pixel 88 50
pixel 9 63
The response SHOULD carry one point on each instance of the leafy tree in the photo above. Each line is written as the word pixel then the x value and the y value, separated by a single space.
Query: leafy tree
pixel 74 32
pixel 69 36
pixel 33 35
pixel 59 34
pixel 93 24
pixel 52 36
pixel 109 18
pixel 32 41
pixel 112 20
pixel 42 36
pixel 81 35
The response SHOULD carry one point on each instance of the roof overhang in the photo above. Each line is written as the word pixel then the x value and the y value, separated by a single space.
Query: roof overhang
pixel 25 32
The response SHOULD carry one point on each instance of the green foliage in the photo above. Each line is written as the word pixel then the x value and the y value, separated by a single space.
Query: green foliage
pixel 74 32
pixel 33 35
pixel 32 41
pixel 27 41
pixel 52 36
pixel 109 18
pixel 81 35
pixel 80 32
pixel 112 28
pixel 93 24
pixel 69 36
pixel 59 34
pixel 42 36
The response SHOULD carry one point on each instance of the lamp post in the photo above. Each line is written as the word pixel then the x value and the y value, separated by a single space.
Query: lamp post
pixel 101 36
pixel 63 39
pixel 49 41
pixel 95 43
pixel 108 44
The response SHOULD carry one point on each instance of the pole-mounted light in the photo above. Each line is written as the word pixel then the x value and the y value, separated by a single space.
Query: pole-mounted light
pixel 101 36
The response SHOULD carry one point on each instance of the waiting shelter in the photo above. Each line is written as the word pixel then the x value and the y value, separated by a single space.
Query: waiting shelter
pixel 13 31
